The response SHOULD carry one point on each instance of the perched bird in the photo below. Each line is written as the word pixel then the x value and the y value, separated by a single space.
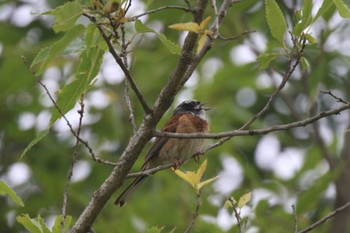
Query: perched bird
pixel 188 117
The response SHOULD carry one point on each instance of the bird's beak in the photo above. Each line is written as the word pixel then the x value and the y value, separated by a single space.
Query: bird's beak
pixel 204 108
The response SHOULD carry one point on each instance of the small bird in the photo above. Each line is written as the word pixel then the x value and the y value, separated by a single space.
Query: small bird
pixel 188 117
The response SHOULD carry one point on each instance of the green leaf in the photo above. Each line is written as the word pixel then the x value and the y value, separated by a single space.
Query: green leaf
pixel 297 15
pixel 342 8
pixel 230 203
pixel 65 15
pixel 304 63
pixel 173 48
pixel 43 226
pixel 201 42
pixel 90 32
pixel 189 177
pixel 46 55
pixel 275 20
pixel 88 67
pixel 6 190
pixel 29 224
pixel 204 23
pixel 57 225
pixel 141 28
pixel 155 229
pixel 310 38
pixel 325 6
pixel 206 182
pixel 37 139
pixel 40 57
pixel 306 18
pixel 266 58
pixel 307 12
pixel 244 199
pixel 191 27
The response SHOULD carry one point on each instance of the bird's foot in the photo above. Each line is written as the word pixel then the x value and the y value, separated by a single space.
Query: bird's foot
pixel 197 156
pixel 177 163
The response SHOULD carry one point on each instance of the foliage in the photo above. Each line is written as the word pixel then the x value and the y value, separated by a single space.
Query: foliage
pixel 6 190
pixel 194 178
pixel 258 46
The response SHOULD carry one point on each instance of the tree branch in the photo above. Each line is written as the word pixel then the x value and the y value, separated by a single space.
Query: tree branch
pixel 119 61
pixel 74 160
pixel 325 219
pixel 246 32
pixel 251 132
pixel 82 141
pixel 144 132
pixel 150 171
pixel 267 106
pixel 295 219
pixel 195 213
pixel 185 9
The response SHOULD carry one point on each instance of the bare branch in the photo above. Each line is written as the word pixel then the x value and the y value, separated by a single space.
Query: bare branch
pixel 246 32
pixel 126 89
pixel 251 132
pixel 194 214
pixel 186 64
pixel 150 171
pixel 186 9
pixel 325 219
pixel 272 97
pixel 238 217
pixel 128 105
pixel 121 64
pixel 85 143
pixel 281 86
pixel 74 160
pixel 295 219
pixel 340 100
pixel 213 5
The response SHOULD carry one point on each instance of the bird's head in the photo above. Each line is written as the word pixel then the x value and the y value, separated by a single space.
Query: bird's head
pixel 191 107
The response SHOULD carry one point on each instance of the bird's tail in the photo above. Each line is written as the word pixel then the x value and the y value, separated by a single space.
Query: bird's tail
pixel 126 194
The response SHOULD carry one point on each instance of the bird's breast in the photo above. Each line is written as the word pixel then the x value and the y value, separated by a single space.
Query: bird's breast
pixel 183 149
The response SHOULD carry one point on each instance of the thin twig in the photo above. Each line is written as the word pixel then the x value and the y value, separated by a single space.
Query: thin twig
pixel 126 89
pixel 295 219
pixel 280 87
pixel 74 160
pixel 213 4
pixel 85 143
pixel 238 218
pixel 119 61
pixel 150 171
pixel 235 37
pixel 272 97
pixel 114 27
pixel 251 132
pixel 340 100
pixel 186 62
pixel 325 219
pixel 196 213
pixel 129 107
pixel 128 5
pixel 160 9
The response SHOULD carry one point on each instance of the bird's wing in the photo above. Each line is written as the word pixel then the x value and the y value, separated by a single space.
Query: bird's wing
pixel 170 126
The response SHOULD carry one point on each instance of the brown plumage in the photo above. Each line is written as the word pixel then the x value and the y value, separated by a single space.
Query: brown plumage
pixel 188 117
